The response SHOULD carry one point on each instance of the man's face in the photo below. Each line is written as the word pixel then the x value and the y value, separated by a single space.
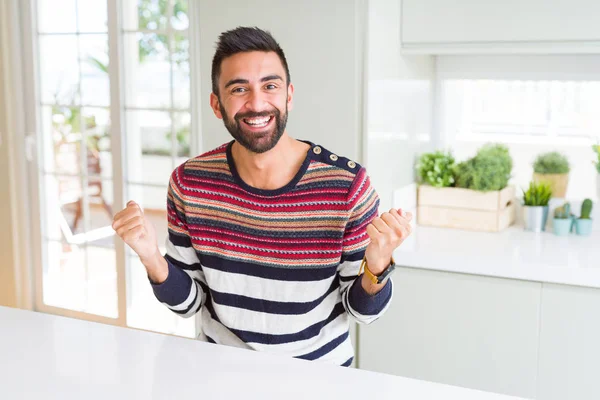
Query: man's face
pixel 254 99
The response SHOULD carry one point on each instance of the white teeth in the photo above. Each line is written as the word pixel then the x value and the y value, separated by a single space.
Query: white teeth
pixel 258 121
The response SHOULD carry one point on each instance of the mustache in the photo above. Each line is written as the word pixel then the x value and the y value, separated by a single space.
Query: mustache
pixel 253 114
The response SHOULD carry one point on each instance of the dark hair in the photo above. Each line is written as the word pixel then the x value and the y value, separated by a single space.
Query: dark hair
pixel 241 40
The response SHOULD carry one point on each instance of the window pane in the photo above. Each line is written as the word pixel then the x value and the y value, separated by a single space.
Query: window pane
pixel 145 14
pixel 144 311
pixel 92 15
pixel 59 69
pixel 95 85
pixel 181 71
pixel 80 279
pixel 57 16
pixel 101 211
pixel 148 146
pixel 97 121
pixel 148 71
pixel 61 139
pixel 102 282
pixel 179 19
pixel 62 207
pixel 182 129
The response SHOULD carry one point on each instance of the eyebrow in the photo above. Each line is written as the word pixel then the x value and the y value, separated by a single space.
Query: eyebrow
pixel 245 81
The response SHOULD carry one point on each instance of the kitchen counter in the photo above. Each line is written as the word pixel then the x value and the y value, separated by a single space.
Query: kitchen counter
pixel 513 253
pixel 49 357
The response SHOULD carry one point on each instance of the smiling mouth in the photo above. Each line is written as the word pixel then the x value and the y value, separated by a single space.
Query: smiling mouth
pixel 258 122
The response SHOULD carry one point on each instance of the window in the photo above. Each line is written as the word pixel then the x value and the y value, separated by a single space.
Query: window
pixel 80 170
pixel 533 104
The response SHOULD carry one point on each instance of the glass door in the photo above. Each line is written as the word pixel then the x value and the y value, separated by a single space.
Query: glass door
pixel 113 108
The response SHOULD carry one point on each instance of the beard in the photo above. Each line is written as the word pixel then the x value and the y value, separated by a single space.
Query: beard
pixel 256 142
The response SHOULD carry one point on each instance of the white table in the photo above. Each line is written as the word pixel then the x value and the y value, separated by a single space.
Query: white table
pixel 49 357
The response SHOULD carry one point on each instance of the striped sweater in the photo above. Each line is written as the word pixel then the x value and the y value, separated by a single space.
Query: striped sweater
pixel 272 270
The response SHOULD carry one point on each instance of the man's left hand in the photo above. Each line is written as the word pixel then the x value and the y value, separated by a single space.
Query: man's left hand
pixel 387 232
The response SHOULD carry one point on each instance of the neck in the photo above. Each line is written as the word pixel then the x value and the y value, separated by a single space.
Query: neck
pixel 273 169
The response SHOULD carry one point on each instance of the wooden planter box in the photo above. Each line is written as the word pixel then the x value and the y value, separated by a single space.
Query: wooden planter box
pixel 466 209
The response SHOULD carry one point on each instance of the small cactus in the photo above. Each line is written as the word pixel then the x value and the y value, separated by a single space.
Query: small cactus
pixel 563 212
pixel 586 209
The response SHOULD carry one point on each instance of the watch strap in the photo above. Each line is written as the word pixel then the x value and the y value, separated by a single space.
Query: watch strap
pixel 372 277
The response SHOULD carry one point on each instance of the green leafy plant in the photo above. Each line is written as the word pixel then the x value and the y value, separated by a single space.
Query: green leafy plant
pixel 436 169
pixel 596 149
pixel 586 209
pixel 563 212
pixel 490 169
pixel 551 163
pixel 538 194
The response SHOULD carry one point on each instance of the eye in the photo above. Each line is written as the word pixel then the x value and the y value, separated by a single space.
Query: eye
pixel 271 86
pixel 238 90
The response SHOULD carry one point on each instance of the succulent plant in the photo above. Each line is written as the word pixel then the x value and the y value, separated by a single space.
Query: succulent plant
pixel 563 212
pixel 586 209
pixel 538 194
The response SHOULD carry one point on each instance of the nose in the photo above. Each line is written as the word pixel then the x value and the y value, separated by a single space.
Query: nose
pixel 256 102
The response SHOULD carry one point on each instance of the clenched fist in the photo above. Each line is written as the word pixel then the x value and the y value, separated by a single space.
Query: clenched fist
pixel 386 232
pixel 136 231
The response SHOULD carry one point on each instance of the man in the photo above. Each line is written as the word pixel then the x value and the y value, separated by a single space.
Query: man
pixel 267 234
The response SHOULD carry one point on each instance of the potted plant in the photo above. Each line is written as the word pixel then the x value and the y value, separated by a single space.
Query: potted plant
pixel 583 224
pixel 489 170
pixel 562 221
pixel 553 168
pixel 472 195
pixel 535 201
pixel 436 169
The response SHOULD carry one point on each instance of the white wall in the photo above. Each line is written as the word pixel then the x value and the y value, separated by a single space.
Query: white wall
pixel 400 93
pixel 322 44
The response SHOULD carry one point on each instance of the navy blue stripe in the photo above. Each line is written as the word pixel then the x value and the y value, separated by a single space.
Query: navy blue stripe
pixel 307 333
pixel 348 363
pixel 179 240
pixel 268 306
pixel 210 340
pixel 368 304
pixel 182 265
pixel 266 233
pixel 329 347
pixel 356 256
pixel 267 272
pixel 175 289
pixel 347 278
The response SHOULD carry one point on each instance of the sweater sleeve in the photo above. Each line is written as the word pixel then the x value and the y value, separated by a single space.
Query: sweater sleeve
pixel 363 203
pixel 184 290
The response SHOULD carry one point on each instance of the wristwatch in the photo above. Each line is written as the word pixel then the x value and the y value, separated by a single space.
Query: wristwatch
pixel 374 278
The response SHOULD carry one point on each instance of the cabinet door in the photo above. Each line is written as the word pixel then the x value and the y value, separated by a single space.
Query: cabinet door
pixel 481 21
pixel 569 343
pixel 462 330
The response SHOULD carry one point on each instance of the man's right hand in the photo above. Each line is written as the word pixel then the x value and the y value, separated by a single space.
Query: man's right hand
pixel 138 233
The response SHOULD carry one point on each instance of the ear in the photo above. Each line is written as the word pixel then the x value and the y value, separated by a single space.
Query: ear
pixel 290 97
pixel 214 104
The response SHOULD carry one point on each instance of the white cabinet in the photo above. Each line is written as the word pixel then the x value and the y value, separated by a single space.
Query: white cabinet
pixel 458 329
pixel 510 25
pixel 569 343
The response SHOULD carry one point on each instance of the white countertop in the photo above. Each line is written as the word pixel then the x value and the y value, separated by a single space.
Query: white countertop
pixel 513 253
pixel 49 357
